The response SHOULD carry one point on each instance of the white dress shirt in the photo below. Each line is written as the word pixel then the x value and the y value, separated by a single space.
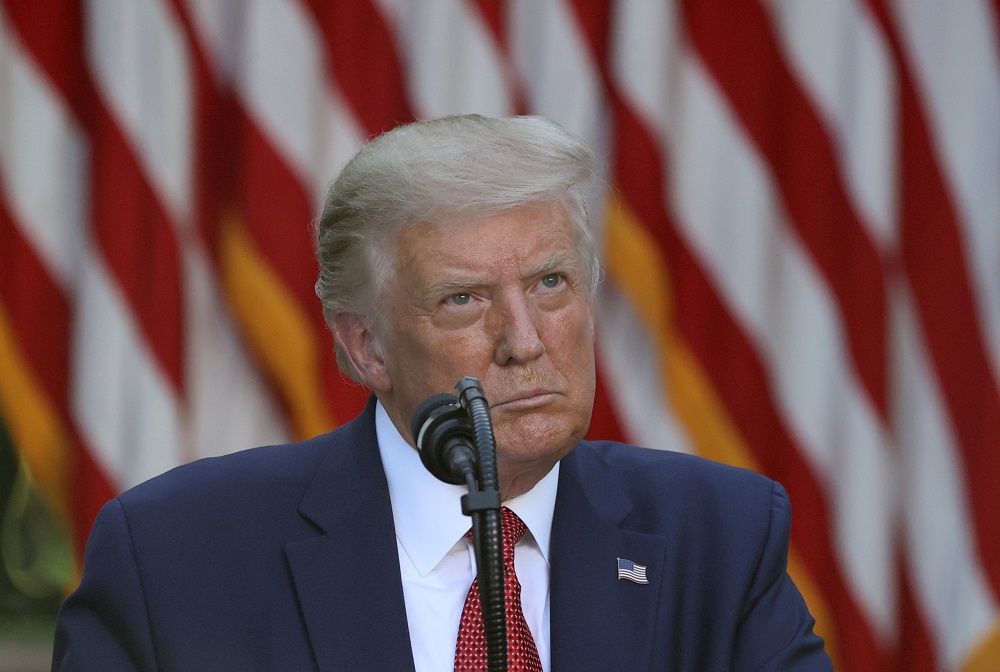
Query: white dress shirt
pixel 437 563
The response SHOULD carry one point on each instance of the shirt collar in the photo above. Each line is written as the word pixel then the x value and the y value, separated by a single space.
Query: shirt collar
pixel 427 512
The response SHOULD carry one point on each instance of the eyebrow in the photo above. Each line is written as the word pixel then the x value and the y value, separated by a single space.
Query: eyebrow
pixel 453 285
pixel 556 261
pixel 459 283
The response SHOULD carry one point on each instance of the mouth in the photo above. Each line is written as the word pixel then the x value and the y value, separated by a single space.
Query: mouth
pixel 524 401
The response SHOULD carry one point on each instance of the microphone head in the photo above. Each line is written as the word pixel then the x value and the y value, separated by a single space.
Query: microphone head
pixel 437 424
pixel 431 405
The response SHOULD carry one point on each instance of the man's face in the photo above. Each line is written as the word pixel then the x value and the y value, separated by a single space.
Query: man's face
pixel 502 299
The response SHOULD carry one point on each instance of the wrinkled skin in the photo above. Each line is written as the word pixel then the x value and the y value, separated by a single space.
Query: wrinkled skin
pixel 502 299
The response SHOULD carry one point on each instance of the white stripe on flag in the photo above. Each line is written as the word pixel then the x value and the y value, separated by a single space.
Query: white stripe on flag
pixel 42 160
pixel 451 64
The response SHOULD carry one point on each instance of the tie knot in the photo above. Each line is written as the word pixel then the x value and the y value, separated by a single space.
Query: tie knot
pixel 513 527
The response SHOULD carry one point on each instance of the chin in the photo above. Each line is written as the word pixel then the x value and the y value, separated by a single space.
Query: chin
pixel 536 437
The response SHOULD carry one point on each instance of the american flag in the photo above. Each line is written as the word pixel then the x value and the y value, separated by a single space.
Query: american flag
pixel 632 572
pixel 800 231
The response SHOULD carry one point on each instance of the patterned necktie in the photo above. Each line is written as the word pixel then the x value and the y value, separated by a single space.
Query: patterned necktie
pixel 470 651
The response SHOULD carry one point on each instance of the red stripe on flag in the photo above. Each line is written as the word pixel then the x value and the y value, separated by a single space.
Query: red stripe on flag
pixel 277 213
pixel 494 15
pixel 363 60
pixel 130 224
pixel 737 44
pixel 271 202
pixel 53 31
pixel 595 20
pixel 915 651
pixel 41 316
pixel 90 489
pixel 604 423
pixel 214 137
pixel 994 8
pixel 937 269
pixel 138 244
pixel 38 309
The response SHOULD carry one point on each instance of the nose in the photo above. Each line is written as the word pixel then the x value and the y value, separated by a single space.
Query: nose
pixel 518 322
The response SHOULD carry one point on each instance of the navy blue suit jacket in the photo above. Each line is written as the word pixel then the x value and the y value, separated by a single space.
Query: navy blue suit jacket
pixel 284 558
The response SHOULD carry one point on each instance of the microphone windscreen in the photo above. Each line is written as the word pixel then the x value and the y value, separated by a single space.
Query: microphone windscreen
pixel 424 412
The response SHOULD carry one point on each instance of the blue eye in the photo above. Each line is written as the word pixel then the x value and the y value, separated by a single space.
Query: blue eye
pixel 460 299
pixel 551 280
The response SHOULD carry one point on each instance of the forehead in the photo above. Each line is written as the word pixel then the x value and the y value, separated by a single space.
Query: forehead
pixel 515 240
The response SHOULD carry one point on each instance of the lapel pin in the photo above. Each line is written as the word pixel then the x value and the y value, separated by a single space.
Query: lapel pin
pixel 630 571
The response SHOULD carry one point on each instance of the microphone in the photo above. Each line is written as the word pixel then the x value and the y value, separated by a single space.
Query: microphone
pixel 457 445
pixel 444 436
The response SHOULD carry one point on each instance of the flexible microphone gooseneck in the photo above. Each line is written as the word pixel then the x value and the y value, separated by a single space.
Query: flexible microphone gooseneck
pixel 489 549
pixel 457 445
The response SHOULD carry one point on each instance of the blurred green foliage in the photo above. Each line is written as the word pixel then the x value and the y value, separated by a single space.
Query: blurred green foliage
pixel 35 554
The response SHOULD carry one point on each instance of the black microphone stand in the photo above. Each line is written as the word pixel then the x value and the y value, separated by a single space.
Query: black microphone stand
pixel 456 444
pixel 483 505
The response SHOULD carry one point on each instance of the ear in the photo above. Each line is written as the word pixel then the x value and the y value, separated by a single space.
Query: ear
pixel 362 349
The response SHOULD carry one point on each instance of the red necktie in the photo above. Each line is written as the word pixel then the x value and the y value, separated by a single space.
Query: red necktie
pixel 470 651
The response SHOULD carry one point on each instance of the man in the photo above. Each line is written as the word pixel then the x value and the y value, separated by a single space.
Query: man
pixel 451 247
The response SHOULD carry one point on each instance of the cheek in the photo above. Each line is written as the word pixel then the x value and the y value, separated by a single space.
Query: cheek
pixel 572 334
pixel 575 358
pixel 434 362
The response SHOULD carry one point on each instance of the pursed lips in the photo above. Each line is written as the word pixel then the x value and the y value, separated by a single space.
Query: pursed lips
pixel 525 400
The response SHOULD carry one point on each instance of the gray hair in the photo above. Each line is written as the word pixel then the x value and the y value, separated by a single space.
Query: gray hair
pixel 447 169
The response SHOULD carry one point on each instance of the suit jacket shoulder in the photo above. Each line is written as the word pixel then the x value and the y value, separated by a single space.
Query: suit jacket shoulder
pixel 250 561
pixel 713 540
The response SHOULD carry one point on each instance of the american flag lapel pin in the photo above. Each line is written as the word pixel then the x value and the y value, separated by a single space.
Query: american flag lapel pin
pixel 631 571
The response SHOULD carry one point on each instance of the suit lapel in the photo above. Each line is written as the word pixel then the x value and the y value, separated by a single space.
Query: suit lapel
pixel 598 621
pixel 352 601
pixel 347 577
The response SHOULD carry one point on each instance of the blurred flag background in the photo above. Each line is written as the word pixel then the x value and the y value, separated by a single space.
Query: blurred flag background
pixel 800 230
